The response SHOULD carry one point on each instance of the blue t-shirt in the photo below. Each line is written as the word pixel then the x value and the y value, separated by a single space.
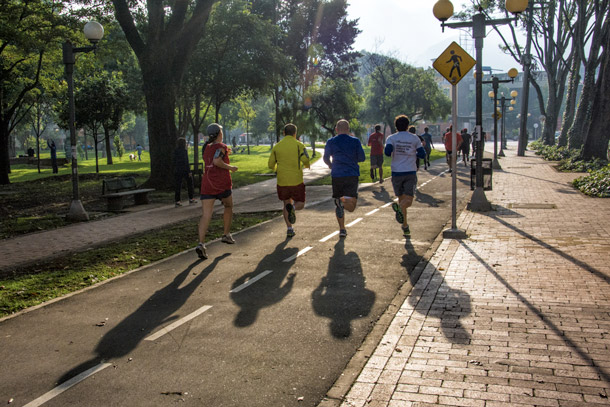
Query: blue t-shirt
pixel 346 152
pixel 428 139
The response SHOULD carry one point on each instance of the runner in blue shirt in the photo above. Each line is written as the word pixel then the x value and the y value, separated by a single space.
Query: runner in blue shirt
pixel 342 154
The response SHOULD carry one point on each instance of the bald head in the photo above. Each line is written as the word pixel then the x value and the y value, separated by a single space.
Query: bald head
pixel 342 126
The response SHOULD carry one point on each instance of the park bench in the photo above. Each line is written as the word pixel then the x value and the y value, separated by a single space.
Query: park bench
pixel 115 190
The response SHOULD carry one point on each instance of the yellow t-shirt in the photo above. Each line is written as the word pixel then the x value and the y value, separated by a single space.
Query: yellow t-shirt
pixel 290 156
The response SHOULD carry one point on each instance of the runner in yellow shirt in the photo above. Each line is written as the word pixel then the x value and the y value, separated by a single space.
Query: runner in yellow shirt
pixel 288 158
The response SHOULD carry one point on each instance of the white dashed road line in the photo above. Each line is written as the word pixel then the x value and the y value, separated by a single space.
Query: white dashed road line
pixel 176 324
pixel 300 253
pixel 251 281
pixel 353 223
pixel 67 384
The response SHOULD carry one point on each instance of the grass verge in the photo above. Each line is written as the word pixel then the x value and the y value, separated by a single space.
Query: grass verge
pixel 35 284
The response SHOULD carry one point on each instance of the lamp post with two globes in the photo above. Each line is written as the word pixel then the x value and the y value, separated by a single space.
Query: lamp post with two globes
pixel 503 99
pixel 495 82
pixel 93 32
pixel 443 10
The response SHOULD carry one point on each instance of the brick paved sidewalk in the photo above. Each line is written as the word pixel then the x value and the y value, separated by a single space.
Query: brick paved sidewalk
pixel 516 315
pixel 35 247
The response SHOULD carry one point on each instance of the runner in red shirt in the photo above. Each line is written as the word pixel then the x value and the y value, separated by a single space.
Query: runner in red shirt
pixel 376 143
pixel 215 184
pixel 448 141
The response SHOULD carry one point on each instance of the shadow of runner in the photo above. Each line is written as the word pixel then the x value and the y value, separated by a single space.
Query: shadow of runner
pixel 154 312
pixel 432 297
pixel 269 290
pixel 428 199
pixel 342 295
pixel 382 195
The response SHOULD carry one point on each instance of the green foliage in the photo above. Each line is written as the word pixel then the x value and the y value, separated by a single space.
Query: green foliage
pixel 118 146
pixel 30 141
pixel 569 159
pixel 597 183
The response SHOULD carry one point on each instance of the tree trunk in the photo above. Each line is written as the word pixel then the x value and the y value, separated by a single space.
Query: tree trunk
pixel 582 120
pixel 162 132
pixel 5 161
pixel 571 101
pixel 596 142
pixel 108 146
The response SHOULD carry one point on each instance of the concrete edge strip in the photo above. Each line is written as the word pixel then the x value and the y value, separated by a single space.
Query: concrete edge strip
pixel 67 384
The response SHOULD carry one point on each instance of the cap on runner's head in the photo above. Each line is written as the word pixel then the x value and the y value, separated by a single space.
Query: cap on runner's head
pixel 214 129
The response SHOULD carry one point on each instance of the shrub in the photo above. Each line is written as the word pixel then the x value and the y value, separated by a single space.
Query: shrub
pixel 597 183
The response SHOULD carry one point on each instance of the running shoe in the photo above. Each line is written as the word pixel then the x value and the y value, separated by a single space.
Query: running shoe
pixel 339 209
pixel 292 216
pixel 342 233
pixel 227 239
pixel 178 204
pixel 192 201
pixel 201 251
pixel 405 231
pixel 290 232
pixel 399 216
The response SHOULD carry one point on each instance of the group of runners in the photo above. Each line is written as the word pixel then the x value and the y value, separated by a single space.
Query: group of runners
pixel 289 157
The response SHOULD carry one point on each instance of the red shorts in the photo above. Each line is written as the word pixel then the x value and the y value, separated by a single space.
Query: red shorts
pixel 296 193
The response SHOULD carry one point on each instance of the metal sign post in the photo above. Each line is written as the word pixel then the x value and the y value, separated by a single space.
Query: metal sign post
pixel 453 64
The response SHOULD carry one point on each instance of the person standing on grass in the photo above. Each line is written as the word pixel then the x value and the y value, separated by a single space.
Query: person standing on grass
pixel 216 184
pixel 404 148
pixel 428 146
pixel 139 149
pixel 342 155
pixel 182 170
pixel 289 156
pixel 53 148
pixel 376 144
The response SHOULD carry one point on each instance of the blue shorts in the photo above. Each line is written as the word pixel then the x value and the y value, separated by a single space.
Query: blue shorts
pixel 220 196
pixel 345 186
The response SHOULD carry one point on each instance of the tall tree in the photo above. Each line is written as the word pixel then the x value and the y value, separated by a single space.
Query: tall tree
pixel 596 142
pixel 163 39
pixel 29 30
pixel 594 36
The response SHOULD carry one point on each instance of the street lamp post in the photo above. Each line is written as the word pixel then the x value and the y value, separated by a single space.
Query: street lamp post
pixel 443 10
pixel 503 99
pixel 495 82
pixel 93 32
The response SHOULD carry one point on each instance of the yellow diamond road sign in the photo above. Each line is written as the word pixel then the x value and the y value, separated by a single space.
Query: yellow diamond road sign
pixel 454 63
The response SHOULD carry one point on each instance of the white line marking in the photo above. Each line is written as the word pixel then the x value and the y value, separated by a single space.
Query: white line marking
pixel 372 212
pixel 251 281
pixel 353 223
pixel 291 258
pixel 176 324
pixel 67 384
pixel 388 204
pixel 324 239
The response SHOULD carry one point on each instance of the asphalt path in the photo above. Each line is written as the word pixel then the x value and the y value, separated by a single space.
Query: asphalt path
pixel 268 321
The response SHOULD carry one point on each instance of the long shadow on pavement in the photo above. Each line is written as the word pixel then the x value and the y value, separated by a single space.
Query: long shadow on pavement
pixel 432 297
pixel 154 312
pixel 342 295
pixel 536 311
pixel 268 291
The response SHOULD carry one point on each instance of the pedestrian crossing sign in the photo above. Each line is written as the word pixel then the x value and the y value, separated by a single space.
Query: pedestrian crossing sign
pixel 454 63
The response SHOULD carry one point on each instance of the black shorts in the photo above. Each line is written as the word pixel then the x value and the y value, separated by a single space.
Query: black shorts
pixel 220 196
pixel 345 186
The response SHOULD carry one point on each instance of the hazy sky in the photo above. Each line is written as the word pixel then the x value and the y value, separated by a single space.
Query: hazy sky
pixel 408 30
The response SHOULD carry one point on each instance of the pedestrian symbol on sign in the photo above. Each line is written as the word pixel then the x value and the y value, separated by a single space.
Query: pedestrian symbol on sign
pixel 454 63
pixel 455 60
